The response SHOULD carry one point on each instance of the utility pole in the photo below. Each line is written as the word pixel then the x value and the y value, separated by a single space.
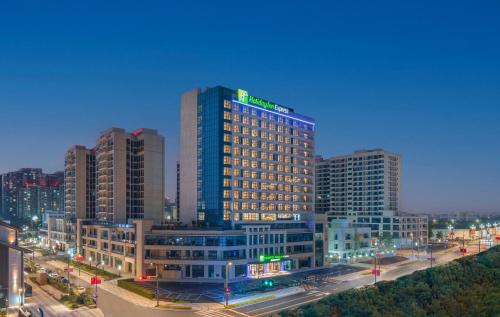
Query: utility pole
pixel 96 266
pixel 375 267
pixel 479 243
pixel 69 283
pixel 432 259
pixel 226 284
pixel 157 287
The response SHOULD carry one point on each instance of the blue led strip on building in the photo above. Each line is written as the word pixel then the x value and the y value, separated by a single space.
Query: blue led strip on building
pixel 274 112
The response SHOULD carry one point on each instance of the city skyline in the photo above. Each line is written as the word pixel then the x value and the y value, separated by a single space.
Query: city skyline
pixel 407 96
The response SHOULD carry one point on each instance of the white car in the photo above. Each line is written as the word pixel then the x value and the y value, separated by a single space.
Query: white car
pixel 81 289
pixel 54 275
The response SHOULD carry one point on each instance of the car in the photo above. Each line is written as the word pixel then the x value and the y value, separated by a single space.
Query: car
pixel 64 281
pixel 38 265
pixel 53 275
pixel 81 289
pixel 48 271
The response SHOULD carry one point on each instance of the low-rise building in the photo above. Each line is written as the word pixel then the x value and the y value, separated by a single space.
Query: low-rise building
pixel 193 253
pixel 11 267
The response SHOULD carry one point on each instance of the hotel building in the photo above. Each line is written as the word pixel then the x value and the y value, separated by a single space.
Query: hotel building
pixel 246 189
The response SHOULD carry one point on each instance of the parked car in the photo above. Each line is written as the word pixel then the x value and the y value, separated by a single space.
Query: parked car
pixel 53 274
pixel 81 289
pixel 65 281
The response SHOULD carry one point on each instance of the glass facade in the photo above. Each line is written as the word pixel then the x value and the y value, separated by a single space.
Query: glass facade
pixel 254 164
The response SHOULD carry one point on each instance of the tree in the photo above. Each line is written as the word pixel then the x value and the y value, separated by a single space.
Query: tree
pixel 439 235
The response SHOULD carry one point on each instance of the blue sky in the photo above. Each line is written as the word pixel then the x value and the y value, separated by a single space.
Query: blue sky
pixel 418 78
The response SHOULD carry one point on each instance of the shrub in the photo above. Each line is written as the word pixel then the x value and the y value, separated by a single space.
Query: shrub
pixel 137 289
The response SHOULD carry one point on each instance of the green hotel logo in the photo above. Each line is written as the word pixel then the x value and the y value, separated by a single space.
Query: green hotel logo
pixel 244 97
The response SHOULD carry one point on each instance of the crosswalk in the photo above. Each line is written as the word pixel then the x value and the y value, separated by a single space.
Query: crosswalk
pixel 221 313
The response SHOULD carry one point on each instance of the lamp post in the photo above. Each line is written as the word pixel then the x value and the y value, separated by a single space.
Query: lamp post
pixel 226 284
pixel 20 290
pixel 157 292
pixel 67 269
pixel 96 267
pixel 119 270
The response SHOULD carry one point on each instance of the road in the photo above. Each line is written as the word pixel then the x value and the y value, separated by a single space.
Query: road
pixel 314 291
pixel 390 273
pixel 50 306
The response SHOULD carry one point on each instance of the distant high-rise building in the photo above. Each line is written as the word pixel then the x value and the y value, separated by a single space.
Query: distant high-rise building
pixel 364 183
pixel 130 173
pixel 80 183
pixel 29 192
pixel 177 191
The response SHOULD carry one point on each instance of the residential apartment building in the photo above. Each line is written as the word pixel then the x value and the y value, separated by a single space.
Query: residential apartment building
pixel 80 182
pixel 364 189
pixel 364 183
pixel 130 169
pixel 28 193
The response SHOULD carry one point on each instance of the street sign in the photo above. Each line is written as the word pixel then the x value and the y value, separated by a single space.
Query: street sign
pixel 497 238
pixel 432 259
pixel 68 269
pixel 95 280
pixel 79 258
pixel 463 250
pixel 228 290
pixel 376 272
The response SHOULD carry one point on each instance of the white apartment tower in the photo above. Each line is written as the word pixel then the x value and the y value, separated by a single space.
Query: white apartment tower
pixel 365 183
pixel 79 182
pixel 130 173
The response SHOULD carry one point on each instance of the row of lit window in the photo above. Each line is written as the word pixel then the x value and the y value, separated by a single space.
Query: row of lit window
pixel 265 196
pixel 265 155
pixel 237 108
pixel 264 134
pixel 265 206
pixel 268 186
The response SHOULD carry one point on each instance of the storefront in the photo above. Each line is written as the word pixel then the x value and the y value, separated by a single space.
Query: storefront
pixel 269 265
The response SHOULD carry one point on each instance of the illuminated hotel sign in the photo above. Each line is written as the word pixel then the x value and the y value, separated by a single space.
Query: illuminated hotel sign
pixel 272 258
pixel 244 97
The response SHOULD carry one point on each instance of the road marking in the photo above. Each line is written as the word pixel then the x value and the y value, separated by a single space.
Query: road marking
pixel 291 306
pixel 281 303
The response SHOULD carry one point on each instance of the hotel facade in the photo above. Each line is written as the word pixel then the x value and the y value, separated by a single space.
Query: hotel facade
pixel 246 198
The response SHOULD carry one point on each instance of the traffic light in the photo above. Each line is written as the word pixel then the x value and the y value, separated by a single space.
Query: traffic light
pixel 228 290
pixel 267 283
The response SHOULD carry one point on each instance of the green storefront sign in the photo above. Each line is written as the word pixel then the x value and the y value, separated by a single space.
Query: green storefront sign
pixel 244 97
pixel 271 258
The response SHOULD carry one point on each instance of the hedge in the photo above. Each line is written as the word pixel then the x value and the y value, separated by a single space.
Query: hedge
pixel 134 288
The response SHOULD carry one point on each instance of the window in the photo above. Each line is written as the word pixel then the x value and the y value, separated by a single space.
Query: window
pixel 198 271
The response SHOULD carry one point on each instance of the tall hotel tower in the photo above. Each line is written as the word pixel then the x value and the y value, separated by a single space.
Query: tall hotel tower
pixel 244 160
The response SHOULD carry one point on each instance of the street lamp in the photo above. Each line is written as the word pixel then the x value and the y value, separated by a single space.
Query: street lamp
pixel 69 283
pixel 226 284
pixel 96 268
pixel 119 270
pixel 20 290
pixel 157 284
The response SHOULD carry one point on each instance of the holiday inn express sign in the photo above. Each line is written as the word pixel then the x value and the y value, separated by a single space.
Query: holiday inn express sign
pixel 245 98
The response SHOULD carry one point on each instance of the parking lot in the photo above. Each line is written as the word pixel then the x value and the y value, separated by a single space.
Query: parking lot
pixel 214 292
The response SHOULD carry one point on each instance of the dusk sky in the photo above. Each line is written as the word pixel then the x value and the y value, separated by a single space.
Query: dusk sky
pixel 418 78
